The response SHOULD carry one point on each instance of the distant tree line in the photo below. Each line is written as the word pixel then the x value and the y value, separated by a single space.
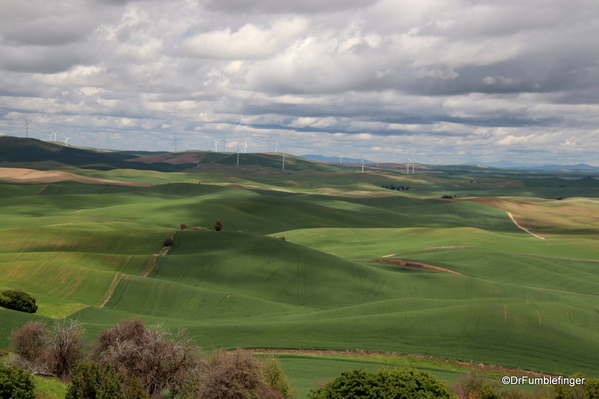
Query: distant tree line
pixel 394 187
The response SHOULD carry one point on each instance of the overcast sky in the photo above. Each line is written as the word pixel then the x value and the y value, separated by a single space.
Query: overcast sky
pixel 448 81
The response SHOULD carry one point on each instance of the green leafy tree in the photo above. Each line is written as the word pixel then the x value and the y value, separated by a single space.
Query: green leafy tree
pixel 18 300
pixel 92 381
pixel 398 383
pixel 15 383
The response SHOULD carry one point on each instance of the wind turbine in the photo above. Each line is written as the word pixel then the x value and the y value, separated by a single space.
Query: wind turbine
pixel 66 140
pixel 362 163
pixel 245 145
pixel 26 126
pixel 49 136
pixel 276 145
pixel 283 167
pixel 413 162
pixel 216 144
pixel 175 142
pixel 268 140
pixel 340 158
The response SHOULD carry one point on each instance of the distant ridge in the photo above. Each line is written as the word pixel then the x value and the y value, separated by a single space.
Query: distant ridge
pixel 549 167
pixel 322 158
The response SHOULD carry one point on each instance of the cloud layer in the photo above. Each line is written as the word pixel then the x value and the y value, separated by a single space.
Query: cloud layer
pixel 447 81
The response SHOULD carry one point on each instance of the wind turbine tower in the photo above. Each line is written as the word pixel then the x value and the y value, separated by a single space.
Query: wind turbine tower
pixel 66 140
pixel 26 126
pixel 276 145
pixel 362 163
pixel 245 145
pixel 175 142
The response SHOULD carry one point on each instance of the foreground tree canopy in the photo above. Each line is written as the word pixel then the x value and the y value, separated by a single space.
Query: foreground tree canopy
pixel 396 383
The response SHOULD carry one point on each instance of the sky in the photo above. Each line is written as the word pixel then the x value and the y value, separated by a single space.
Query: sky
pixel 439 81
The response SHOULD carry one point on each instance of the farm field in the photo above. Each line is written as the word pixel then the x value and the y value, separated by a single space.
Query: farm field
pixel 362 268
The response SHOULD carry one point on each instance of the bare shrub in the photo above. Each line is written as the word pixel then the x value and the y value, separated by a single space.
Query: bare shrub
pixel 182 226
pixel 238 375
pixel 232 376
pixel 159 360
pixel 64 348
pixel 283 238
pixel 28 341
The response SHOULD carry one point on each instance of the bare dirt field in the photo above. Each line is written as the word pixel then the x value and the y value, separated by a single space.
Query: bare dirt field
pixel 18 175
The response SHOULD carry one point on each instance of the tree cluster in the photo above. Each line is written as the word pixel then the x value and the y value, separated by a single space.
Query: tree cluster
pixel 18 300
pixel 397 383
pixel 132 361
pixel 394 187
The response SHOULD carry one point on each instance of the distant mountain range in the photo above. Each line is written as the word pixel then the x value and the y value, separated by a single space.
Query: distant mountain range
pixel 549 167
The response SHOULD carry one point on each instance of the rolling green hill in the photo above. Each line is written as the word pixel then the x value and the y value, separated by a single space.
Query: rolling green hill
pixel 93 252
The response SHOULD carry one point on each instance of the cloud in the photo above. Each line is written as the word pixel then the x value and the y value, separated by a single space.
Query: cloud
pixel 286 7
pixel 430 75
pixel 248 42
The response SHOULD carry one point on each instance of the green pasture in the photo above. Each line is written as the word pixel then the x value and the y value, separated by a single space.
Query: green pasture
pixel 518 301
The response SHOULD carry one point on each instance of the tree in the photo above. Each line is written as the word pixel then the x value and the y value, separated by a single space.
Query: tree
pixel 28 341
pixel 15 383
pixel 395 383
pixel 218 226
pixel 18 300
pixel 64 346
pixel 182 226
pixel 159 360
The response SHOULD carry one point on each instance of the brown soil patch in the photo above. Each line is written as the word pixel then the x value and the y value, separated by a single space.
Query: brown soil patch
pixel 21 175
pixel 414 265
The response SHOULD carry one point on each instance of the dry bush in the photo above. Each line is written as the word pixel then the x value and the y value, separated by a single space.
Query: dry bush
pixel 159 360
pixel 198 228
pixel 64 348
pixel 232 376
pixel 238 375
pixel 182 226
pixel 28 341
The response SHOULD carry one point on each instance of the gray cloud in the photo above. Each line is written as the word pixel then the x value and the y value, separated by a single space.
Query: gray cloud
pixel 443 79
pixel 289 6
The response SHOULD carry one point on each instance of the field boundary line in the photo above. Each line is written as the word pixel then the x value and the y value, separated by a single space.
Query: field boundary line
pixel 108 294
pixel 522 228
pixel 43 188
pixel 151 263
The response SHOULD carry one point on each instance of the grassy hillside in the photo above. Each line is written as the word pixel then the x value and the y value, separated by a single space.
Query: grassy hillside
pixel 337 282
